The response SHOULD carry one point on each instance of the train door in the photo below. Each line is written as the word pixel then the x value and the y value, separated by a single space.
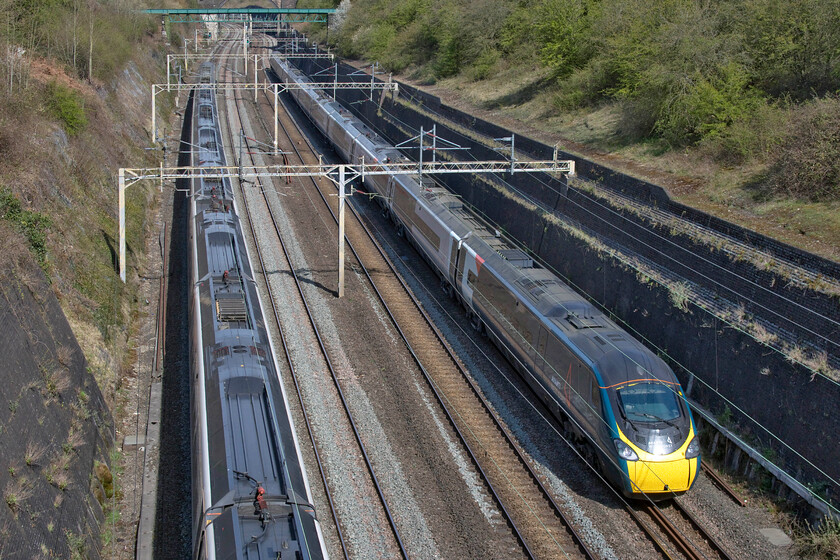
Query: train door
pixel 469 273
pixel 454 250
pixel 539 359
pixel 387 195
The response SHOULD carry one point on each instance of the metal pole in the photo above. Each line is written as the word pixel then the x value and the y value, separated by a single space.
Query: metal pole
pixel 255 78
pixel 122 223
pixel 372 74
pixel 421 155
pixel 341 230
pixel 168 58
pixel 335 82
pixel 195 40
pixel 241 143
pixel 512 136
pixel 434 142
pixel 154 116
pixel 276 94
pixel 245 45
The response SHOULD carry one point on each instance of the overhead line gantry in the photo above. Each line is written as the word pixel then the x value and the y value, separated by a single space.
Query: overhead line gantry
pixel 238 15
pixel 340 174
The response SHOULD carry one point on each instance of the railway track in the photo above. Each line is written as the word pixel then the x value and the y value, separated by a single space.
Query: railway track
pixel 720 483
pixel 540 525
pixel 676 532
pixel 532 514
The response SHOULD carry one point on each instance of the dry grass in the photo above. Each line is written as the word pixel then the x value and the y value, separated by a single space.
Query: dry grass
pixel 822 543
pixel 762 335
pixel 680 293
pixel 35 451
pixel 75 439
pixel 58 382
pixel 18 491
pixel 57 473
pixel 64 355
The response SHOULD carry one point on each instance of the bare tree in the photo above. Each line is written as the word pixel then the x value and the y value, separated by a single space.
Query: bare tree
pixel 91 6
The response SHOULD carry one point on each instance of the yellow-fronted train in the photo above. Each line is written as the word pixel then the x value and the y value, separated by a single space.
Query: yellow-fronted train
pixel 619 403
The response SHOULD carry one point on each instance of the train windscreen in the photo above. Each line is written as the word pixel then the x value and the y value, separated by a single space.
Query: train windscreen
pixel 648 402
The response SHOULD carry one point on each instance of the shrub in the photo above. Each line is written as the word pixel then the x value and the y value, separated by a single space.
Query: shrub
pixel 808 164
pixel 822 542
pixel 67 106
pixel 756 136
pixel 33 225
pixel 701 108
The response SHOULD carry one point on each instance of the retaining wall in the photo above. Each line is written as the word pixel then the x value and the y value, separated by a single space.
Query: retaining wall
pixel 54 427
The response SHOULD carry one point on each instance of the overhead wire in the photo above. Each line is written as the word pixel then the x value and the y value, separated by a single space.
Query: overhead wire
pixel 409 127
pixel 696 376
pixel 665 239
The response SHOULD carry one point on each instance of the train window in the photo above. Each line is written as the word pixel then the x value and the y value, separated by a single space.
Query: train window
pixel 580 386
pixel 471 278
pixel 648 402
pixel 595 396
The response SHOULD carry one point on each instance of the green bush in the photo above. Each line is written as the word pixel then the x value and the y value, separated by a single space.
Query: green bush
pixel 67 106
pixel 698 107
pixel 808 158
pixel 33 225
pixel 756 136
pixel 685 72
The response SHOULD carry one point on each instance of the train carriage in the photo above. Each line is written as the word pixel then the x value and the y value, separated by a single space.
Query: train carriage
pixel 251 498
pixel 621 404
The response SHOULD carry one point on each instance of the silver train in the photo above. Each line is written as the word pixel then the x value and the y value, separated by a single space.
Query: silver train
pixel 620 403
pixel 251 498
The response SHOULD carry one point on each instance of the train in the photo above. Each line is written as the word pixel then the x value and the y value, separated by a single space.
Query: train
pixel 619 403
pixel 251 497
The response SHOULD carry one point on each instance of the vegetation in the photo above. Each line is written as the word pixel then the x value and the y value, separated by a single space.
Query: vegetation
pixel 91 37
pixel 74 79
pixel 67 106
pixel 33 225
pixel 820 543
pixel 746 80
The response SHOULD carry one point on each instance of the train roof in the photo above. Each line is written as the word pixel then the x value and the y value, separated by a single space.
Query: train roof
pixel 618 357
pixel 250 438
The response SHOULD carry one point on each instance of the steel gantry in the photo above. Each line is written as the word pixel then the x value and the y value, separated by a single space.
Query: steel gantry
pixel 277 88
pixel 224 15
pixel 340 174
pixel 186 57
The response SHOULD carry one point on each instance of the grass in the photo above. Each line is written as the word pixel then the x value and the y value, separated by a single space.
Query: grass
pixel 821 543
pixel 17 492
pixel 77 545
pixel 33 225
pixel 35 451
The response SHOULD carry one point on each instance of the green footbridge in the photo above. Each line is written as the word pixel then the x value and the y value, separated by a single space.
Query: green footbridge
pixel 226 15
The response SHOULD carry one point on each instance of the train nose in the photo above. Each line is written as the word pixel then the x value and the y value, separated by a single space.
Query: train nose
pixel 652 477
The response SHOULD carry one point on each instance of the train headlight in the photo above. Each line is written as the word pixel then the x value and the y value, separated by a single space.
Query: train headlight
pixel 624 451
pixel 693 449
